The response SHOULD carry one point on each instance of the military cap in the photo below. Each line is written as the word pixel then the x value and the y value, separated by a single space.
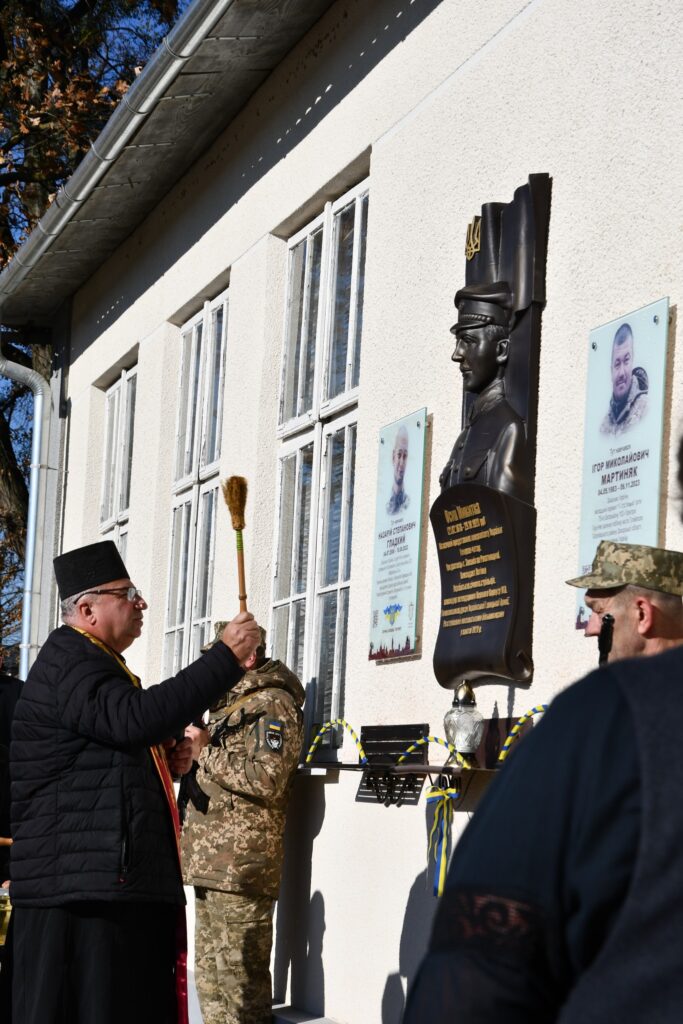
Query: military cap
pixel 218 628
pixel 90 566
pixel 479 305
pixel 218 633
pixel 617 565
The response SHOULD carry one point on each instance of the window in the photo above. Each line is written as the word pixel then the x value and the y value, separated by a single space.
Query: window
pixel 118 458
pixel 200 407
pixel 196 483
pixel 318 413
pixel 325 312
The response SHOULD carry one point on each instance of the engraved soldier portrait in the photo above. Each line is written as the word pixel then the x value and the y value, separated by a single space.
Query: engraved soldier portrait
pixel 232 842
pixel 630 386
pixel 399 500
pixel 492 447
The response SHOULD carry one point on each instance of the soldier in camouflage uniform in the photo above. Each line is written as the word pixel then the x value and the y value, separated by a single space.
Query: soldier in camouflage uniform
pixel 630 386
pixel 232 853
pixel 641 588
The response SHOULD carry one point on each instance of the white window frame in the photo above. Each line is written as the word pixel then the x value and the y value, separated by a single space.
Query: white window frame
pixel 203 569
pixel 315 427
pixel 349 419
pixel 121 539
pixel 171 627
pixel 116 458
pixel 196 416
pixel 197 572
pixel 190 487
pixel 322 406
pixel 293 446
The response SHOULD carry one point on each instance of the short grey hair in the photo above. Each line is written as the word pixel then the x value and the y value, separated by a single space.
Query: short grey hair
pixel 670 604
pixel 69 605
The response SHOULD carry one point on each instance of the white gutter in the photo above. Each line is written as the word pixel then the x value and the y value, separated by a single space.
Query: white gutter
pixel 162 68
pixel 28 647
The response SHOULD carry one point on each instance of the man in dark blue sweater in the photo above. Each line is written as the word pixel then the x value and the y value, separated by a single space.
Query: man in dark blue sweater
pixel 565 895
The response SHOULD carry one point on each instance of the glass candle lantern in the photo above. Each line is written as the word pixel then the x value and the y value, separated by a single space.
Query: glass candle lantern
pixel 463 723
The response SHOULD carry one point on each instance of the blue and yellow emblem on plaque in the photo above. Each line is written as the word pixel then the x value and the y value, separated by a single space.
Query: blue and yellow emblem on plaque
pixel 392 612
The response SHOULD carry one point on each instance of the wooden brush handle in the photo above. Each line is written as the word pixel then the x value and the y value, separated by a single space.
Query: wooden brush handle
pixel 240 572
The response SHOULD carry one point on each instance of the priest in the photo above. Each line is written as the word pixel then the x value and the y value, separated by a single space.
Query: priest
pixel 99 925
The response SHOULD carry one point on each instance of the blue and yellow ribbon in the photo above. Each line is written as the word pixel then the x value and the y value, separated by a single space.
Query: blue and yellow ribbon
pixel 443 798
pixel 330 725
pixel 439 837
pixel 459 759
pixel 514 731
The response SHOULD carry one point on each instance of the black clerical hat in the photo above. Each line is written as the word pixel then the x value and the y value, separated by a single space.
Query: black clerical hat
pixel 90 566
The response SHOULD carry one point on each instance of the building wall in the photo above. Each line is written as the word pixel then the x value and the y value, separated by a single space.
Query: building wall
pixel 445 106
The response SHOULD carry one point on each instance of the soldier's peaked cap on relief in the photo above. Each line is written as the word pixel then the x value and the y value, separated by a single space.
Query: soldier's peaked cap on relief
pixel 91 566
pixel 617 565
pixel 482 304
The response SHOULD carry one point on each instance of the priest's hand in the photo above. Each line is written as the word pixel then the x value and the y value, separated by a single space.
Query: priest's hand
pixel 179 755
pixel 242 636
pixel 199 738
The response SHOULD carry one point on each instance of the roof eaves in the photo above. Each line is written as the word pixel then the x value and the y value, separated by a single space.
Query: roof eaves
pixel 160 71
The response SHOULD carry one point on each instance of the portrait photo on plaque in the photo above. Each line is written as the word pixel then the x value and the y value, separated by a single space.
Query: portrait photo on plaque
pixel 623 434
pixel 398 529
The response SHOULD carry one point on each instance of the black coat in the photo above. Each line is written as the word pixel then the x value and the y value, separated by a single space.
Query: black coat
pixel 10 688
pixel 89 816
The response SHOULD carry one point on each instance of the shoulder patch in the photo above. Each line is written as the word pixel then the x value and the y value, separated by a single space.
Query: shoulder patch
pixel 275 734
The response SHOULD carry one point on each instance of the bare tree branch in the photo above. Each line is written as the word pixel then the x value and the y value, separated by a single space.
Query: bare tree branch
pixel 63 68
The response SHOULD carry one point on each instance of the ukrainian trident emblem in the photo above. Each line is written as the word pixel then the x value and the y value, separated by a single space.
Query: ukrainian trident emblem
pixel 473 240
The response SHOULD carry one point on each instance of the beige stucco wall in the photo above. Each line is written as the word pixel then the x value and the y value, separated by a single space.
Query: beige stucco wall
pixel 475 98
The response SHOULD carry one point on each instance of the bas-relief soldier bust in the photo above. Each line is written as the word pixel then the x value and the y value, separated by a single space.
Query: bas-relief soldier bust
pixel 492 449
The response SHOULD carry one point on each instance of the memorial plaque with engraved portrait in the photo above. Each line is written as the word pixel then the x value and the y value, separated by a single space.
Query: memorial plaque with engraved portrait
pixel 484 520
pixel 398 532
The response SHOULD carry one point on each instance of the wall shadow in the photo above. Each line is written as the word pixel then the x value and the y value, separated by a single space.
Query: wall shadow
pixel 300 925
pixel 421 906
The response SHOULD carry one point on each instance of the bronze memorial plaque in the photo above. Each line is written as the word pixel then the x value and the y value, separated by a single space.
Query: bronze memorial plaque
pixel 485 542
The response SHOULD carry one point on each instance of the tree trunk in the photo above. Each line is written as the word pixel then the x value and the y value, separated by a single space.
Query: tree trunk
pixel 13 494
pixel 13 490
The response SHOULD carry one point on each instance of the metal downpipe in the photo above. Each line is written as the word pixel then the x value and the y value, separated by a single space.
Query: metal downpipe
pixel 36 503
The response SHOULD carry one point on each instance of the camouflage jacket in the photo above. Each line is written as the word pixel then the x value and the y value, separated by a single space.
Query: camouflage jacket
pixel 247 772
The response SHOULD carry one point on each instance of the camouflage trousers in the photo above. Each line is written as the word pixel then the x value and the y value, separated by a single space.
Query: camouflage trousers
pixel 233 940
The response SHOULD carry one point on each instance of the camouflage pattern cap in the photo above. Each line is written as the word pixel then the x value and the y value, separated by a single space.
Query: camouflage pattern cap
pixel 218 633
pixel 218 628
pixel 617 565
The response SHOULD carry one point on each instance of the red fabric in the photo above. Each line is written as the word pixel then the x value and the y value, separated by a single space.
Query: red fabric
pixel 181 968
pixel 159 758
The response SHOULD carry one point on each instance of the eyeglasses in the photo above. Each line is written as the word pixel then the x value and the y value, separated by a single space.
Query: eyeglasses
pixel 131 594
